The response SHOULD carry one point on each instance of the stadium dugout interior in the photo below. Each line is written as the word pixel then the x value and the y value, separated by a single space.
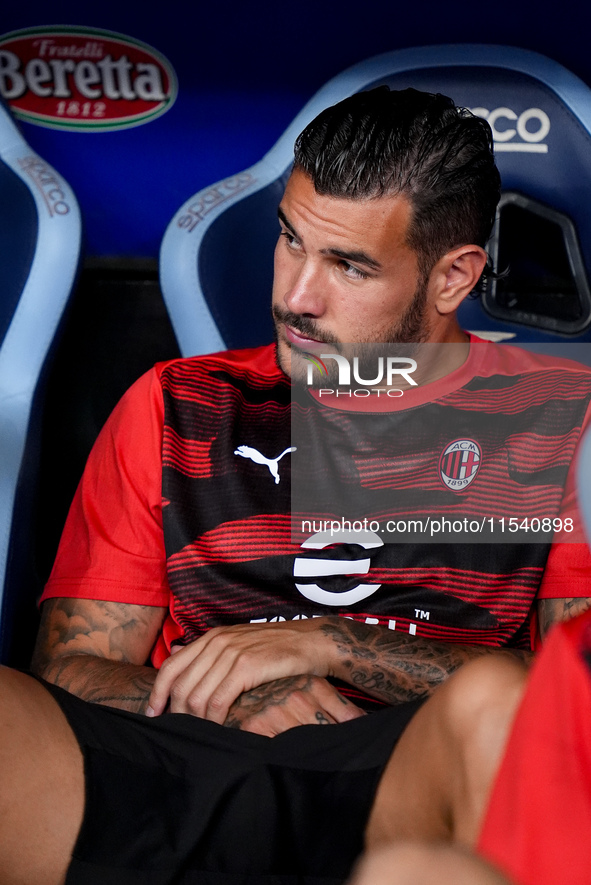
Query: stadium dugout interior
pixel 118 325
pixel 540 114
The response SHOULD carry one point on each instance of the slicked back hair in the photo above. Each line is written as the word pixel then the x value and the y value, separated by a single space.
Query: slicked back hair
pixel 384 142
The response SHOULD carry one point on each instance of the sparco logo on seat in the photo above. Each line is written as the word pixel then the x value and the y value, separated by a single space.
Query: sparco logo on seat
pixel 513 132
pixel 83 78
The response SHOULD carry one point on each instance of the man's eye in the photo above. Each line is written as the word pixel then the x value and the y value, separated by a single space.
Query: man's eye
pixel 292 241
pixel 351 271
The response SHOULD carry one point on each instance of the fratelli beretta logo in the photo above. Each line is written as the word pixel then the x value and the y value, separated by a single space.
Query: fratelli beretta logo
pixel 83 78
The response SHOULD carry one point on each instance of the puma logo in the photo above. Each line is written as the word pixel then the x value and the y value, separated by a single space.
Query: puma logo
pixel 272 463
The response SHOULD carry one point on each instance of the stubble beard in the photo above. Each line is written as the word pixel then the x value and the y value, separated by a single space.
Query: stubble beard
pixel 412 330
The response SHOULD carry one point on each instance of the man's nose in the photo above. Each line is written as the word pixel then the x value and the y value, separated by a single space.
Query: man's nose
pixel 306 294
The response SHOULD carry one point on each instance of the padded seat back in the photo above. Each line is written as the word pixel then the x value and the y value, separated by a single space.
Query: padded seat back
pixel 40 237
pixel 217 253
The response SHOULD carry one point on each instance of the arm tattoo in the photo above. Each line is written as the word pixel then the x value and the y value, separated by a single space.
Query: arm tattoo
pixel 269 694
pixel 126 686
pixel 272 694
pixel 395 667
pixel 552 611
pixel 106 629
pixel 96 650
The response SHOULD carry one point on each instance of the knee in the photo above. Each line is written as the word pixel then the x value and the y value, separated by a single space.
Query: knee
pixel 13 684
pixel 481 701
pixel 493 682
pixel 406 863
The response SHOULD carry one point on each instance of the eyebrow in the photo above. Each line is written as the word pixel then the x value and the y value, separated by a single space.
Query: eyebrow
pixel 358 257
pixel 283 218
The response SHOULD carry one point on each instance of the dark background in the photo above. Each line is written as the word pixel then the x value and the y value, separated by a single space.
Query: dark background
pixel 244 71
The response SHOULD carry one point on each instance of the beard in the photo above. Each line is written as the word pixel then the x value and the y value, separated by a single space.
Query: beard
pixel 411 330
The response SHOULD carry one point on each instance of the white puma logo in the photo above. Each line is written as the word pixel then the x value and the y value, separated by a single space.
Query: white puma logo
pixel 272 463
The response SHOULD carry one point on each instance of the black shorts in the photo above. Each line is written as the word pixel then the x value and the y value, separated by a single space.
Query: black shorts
pixel 181 800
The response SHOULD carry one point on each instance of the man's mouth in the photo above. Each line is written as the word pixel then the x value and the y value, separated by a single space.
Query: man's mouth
pixel 299 331
pixel 296 338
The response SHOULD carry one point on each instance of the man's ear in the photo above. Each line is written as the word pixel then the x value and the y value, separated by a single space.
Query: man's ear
pixel 455 275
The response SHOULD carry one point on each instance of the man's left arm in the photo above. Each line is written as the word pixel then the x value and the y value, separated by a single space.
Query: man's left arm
pixel 553 611
pixel 207 676
pixel 566 581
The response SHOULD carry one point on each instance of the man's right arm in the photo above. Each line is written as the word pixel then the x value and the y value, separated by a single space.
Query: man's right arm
pixel 99 651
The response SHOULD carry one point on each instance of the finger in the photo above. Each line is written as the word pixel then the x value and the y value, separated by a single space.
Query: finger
pixel 276 720
pixel 236 670
pixel 194 674
pixel 231 676
pixel 171 669
pixel 206 648
pixel 269 724
pixel 160 693
pixel 322 717
pixel 198 657
pixel 340 708
pixel 194 690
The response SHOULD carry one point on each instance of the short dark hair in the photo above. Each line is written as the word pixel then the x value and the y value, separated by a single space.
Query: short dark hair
pixel 385 142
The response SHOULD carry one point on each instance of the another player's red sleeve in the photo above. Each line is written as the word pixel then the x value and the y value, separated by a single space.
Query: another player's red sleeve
pixel 568 569
pixel 112 547
pixel 538 821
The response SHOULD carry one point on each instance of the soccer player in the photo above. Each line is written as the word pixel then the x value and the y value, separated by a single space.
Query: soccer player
pixel 178 588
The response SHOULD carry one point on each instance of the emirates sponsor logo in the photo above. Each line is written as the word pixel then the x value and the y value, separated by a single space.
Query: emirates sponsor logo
pixel 459 463
pixel 82 78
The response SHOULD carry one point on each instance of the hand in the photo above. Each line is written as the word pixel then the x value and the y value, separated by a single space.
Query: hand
pixel 205 677
pixel 284 703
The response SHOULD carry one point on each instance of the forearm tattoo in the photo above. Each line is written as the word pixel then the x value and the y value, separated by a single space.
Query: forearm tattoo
pixel 91 649
pixel 257 701
pixel 260 699
pixel 395 667
pixel 552 611
pixel 99 681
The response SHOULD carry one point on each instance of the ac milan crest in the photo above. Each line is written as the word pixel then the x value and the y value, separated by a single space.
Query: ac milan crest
pixel 459 463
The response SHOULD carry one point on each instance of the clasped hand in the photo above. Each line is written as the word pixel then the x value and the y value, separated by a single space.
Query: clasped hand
pixel 214 678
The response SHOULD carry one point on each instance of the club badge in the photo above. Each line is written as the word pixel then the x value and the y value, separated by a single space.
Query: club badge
pixel 459 464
